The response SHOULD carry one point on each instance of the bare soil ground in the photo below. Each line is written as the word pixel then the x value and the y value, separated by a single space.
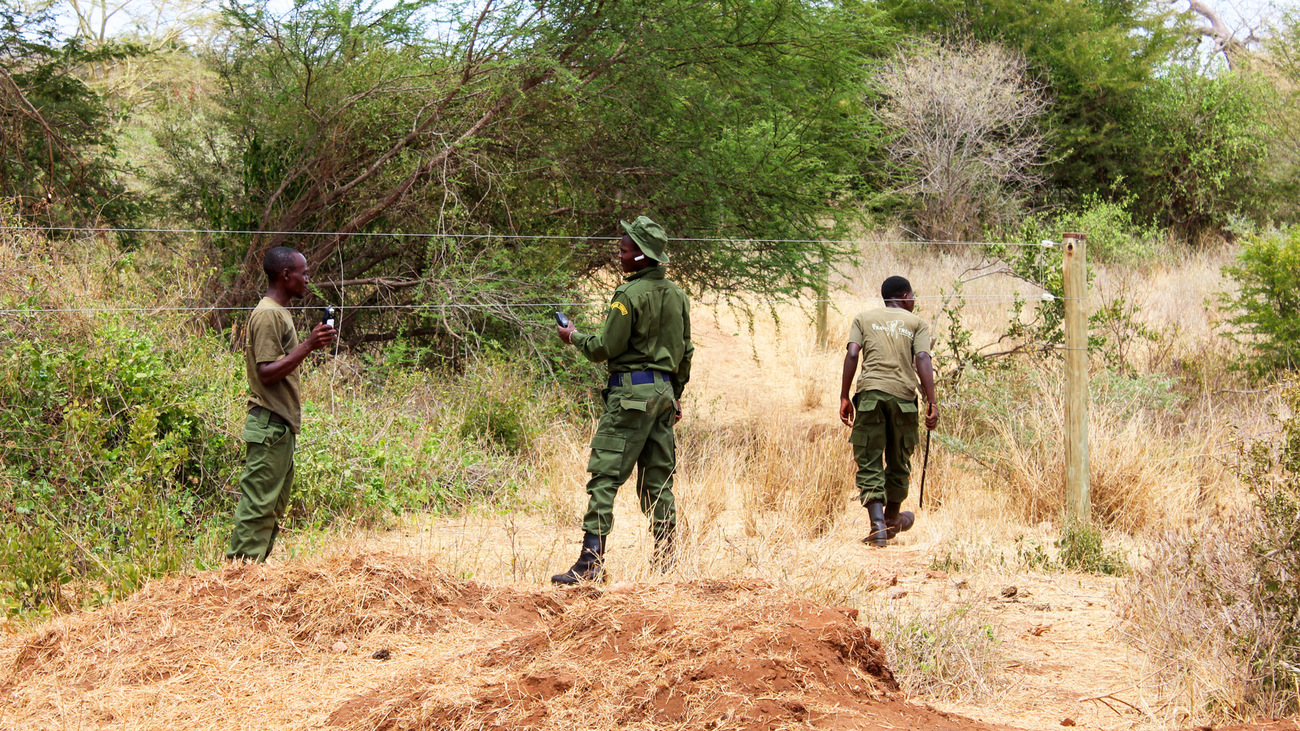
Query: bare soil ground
pixel 385 642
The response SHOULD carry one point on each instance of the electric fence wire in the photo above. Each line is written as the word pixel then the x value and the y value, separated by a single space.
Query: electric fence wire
pixel 975 299
pixel 491 235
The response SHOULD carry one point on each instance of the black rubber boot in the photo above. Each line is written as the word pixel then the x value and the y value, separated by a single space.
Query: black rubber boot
pixel 665 554
pixel 879 536
pixel 896 522
pixel 590 565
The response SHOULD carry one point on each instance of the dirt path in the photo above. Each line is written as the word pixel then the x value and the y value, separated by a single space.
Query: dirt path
pixel 1062 655
pixel 1056 637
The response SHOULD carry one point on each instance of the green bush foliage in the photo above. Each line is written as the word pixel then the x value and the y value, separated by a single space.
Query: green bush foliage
pixel 1079 548
pixel 1206 144
pixel 110 460
pixel 57 142
pixel 1264 313
pixel 120 456
pixel 1114 235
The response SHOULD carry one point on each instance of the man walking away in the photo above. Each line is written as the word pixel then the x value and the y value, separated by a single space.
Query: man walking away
pixel 647 342
pixel 895 345
pixel 271 359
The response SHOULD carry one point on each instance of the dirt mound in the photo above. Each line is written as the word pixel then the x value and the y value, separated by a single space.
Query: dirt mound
pixel 381 642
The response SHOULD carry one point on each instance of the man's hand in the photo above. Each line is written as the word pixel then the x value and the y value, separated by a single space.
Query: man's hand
pixel 931 416
pixel 566 333
pixel 846 411
pixel 677 405
pixel 322 336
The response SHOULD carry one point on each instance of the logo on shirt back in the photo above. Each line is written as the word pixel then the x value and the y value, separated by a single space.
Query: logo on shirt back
pixel 893 327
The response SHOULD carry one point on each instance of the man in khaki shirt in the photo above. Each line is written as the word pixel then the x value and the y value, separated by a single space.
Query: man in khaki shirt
pixel 895 349
pixel 271 359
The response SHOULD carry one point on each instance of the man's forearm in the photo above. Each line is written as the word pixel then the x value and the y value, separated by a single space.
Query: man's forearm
pixel 925 372
pixel 846 379
pixel 277 371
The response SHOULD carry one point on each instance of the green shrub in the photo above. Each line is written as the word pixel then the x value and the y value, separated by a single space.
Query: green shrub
pixel 111 462
pixel 498 423
pixel 120 456
pixel 1265 311
pixel 1080 549
pixel 1113 235
pixel 1207 143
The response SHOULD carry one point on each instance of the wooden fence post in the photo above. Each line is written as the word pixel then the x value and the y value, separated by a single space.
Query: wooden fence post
pixel 1078 501
pixel 823 306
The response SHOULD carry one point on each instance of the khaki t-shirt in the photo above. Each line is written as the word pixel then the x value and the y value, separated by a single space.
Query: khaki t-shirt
pixel 890 338
pixel 271 336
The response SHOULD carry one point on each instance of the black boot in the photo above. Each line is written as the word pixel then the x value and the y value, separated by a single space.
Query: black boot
pixel 896 522
pixel 664 555
pixel 879 535
pixel 590 565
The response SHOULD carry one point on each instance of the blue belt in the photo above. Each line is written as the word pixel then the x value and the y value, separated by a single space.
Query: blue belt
pixel 638 378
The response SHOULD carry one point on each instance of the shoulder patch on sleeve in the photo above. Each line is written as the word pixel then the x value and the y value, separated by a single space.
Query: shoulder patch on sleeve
pixel 618 306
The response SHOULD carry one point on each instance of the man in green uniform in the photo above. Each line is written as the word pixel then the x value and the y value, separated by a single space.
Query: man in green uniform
pixel 647 342
pixel 895 348
pixel 271 359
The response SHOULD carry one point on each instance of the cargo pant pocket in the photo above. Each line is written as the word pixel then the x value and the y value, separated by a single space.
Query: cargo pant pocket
pixel 906 423
pixel 606 454
pixel 869 423
pixel 260 430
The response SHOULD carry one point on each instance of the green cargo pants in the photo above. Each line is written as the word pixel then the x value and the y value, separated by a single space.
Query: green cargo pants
pixel 263 487
pixel 883 437
pixel 636 430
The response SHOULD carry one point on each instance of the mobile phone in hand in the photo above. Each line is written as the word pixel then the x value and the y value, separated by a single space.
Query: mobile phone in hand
pixel 327 316
pixel 561 320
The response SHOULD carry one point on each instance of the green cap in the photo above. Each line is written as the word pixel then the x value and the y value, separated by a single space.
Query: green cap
pixel 649 237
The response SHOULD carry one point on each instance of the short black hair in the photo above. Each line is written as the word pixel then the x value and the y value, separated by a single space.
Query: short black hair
pixel 277 260
pixel 894 288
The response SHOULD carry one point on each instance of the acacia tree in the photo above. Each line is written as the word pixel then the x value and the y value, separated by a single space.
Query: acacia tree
pixel 963 132
pixel 56 146
pixel 530 118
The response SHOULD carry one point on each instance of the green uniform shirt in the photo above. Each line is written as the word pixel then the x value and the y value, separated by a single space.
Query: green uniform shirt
pixel 648 328
pixel 270 337
pixel 891 338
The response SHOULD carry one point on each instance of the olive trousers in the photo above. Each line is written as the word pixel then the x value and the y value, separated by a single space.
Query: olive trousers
pixel 263 487
pixel 883 438
pixel 636 430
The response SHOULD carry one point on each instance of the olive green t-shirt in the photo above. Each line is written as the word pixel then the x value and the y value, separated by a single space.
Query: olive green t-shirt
pixel 271 336
pixel 890 337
